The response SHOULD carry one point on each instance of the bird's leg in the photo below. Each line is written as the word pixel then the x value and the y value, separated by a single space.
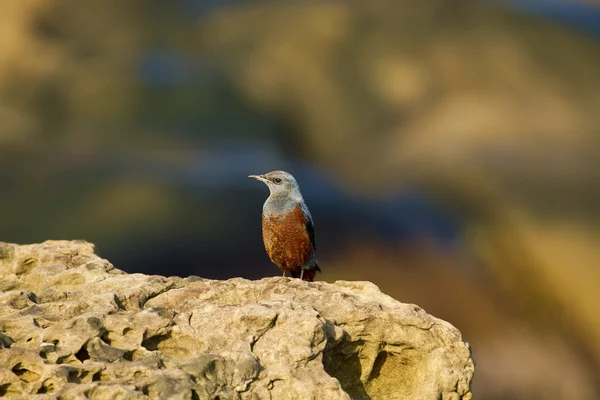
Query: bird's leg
pixel 284 273
pixel 301 273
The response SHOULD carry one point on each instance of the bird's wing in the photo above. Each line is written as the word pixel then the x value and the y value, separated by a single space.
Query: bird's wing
pixel 308 223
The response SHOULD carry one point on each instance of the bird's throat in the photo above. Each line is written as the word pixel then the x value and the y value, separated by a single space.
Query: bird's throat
pixel 277 205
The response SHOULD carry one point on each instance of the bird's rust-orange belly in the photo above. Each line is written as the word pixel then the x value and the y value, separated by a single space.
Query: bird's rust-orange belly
pixel 286 239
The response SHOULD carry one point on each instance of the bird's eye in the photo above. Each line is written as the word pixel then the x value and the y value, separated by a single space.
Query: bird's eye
pixel 277 180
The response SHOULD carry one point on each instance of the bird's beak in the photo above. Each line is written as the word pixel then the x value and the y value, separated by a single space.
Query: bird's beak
pixel 259 178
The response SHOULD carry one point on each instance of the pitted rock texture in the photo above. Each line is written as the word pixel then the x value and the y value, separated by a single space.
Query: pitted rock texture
pixel 73 327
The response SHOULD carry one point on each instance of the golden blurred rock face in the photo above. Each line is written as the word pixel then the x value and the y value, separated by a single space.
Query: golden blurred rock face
pixel 434 82
pixel 494 114
pixel 16 45
pixel 63 66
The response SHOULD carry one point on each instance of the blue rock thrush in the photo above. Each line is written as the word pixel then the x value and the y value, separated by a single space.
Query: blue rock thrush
pixel 287 227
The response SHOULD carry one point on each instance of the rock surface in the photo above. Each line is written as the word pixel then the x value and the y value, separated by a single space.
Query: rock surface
pixel 72 325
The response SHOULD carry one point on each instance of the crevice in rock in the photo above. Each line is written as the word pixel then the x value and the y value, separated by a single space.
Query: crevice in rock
pixel 165 289
pixel 33 297
pixel 379 361
pixel 260 335
pixel 271 383
pixel 62 359
pixel 5 340
pixel 342 362
pixel 118 302
pixel 47 387
pixel 105 338
pixel 128 356
pixel 82 354
pixel 76 376
pixel 153 342
pixel 25 374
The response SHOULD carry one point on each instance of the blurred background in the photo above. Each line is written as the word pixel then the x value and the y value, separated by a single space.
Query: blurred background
pixel 448 151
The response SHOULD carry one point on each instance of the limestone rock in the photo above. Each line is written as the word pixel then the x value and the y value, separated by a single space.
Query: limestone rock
pixel 71 325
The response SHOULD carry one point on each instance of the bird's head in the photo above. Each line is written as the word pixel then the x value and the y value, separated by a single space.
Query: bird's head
pixel 280 184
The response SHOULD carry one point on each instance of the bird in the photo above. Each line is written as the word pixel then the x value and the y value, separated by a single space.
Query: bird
pixel 287 227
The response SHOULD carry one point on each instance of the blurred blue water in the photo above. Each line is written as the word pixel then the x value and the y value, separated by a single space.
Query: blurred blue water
pixel 196 8
pixel 402 216
pixel 163 68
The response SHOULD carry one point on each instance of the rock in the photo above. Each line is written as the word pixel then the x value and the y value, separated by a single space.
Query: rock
pixel 74 326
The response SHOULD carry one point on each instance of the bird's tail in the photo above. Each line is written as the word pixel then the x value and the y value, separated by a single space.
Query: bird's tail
pixel 309 274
